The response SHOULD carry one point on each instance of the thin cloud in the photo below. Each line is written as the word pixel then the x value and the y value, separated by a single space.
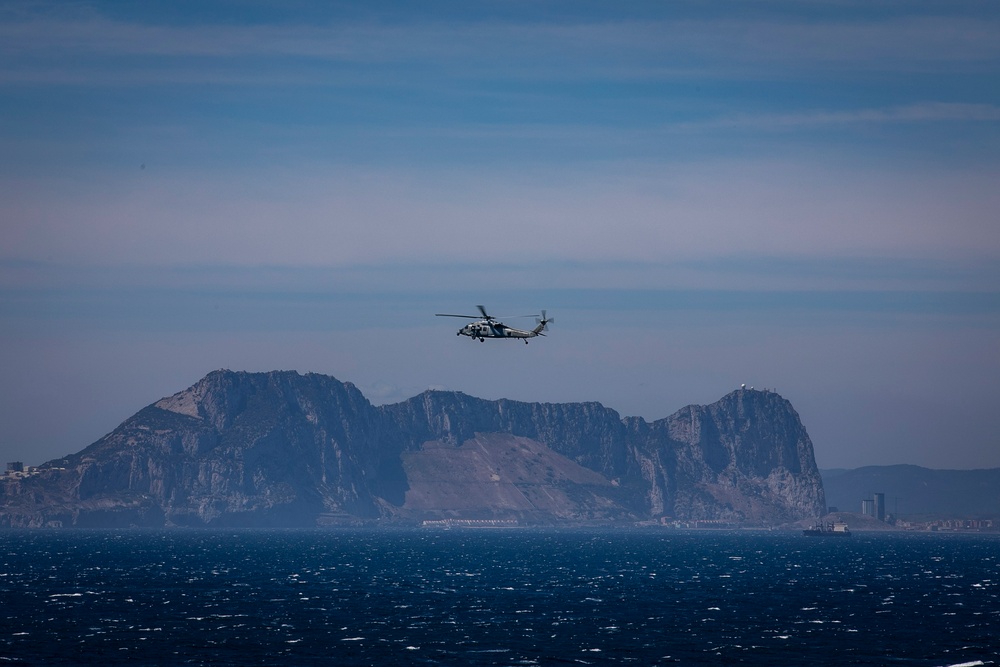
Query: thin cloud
pixel 912 113
pixel 346 216
pixel 769 47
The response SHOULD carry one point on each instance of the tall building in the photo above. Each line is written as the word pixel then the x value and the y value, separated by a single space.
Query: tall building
pixel 874 506
pixel 879 500
pixel 868 507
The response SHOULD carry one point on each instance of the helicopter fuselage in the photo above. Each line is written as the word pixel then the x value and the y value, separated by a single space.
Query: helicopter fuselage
pixel 486 329
pixel 490 327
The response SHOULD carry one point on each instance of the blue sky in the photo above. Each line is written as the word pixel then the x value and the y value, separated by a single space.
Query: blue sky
pixel 798 196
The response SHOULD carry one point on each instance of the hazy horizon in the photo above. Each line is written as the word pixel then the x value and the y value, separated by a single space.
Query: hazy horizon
pixel 790 195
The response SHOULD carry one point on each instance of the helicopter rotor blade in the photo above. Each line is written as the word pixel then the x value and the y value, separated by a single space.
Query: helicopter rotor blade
pixel 484 315
pixel 544 322
pixel 493 318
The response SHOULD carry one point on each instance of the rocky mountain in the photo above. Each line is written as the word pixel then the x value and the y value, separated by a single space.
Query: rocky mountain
pixel 283 449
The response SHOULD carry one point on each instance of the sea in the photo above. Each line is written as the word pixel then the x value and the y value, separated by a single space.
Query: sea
pixel 509 596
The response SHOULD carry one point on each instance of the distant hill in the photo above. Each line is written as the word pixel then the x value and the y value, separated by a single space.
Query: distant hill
pixel 919 494
pixel 283 449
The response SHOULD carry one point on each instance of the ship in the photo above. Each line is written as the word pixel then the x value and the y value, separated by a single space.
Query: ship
pixel 832 529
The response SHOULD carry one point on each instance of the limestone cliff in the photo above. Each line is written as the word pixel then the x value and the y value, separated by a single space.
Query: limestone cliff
pixel 278 449
pixel 745 458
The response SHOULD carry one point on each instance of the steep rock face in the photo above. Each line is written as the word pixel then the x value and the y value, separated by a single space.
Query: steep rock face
pixel 241 449
pixel 255 449
pixel 746 457
pixel 588 433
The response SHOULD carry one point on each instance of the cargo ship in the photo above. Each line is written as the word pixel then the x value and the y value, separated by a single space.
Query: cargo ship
pixel 832 529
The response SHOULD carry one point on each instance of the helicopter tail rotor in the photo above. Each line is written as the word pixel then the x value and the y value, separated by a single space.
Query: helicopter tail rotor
pixel 543 323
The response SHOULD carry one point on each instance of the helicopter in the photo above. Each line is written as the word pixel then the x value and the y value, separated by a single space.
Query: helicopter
pixel 487 326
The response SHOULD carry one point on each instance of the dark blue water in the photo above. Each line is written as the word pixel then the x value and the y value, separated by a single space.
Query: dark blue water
pixel 496 597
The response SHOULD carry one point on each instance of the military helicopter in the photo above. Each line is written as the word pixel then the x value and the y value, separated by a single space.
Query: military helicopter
pixel 487 326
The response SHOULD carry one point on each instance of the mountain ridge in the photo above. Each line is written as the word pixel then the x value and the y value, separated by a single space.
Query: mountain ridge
pixel 917 493
pixel 280 448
